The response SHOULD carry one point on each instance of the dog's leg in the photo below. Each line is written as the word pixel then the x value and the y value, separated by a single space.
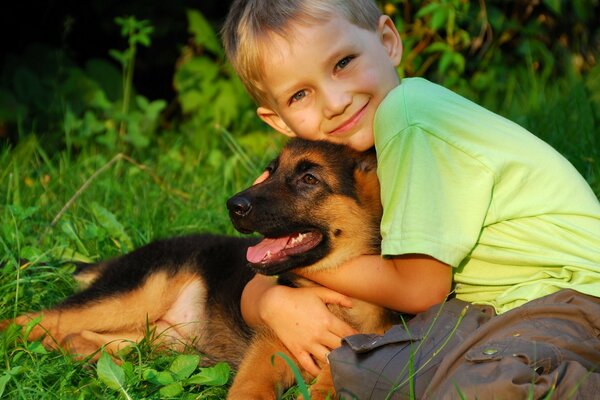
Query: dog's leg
pixel 323 386
pixel 130 313
pixel 262 373
pixel 88 343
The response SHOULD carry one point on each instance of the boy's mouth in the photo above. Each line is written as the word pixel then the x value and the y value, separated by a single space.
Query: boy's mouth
pixel 349 124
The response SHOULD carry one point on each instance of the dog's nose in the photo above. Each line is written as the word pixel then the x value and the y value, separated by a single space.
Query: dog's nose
pixel 239 206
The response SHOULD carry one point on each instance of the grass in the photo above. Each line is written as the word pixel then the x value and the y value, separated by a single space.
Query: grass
pixel 125 204
pixel 88 205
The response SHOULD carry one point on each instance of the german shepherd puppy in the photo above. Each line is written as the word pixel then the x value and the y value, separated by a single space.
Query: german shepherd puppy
pixel 318 208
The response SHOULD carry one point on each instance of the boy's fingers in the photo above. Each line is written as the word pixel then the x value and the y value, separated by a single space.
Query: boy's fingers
pixel 341 329
pixel 308 363
pixel 321 354
pixel 263 177
pixel 333 341
pixel 332 297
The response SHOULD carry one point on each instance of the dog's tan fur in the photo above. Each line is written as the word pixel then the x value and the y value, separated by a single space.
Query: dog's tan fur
pixel 187 291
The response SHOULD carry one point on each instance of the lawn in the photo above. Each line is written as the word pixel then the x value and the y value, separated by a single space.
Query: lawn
pixel 86 200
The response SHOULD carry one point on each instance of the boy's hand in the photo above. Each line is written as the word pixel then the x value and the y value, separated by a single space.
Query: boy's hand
pixel 301 320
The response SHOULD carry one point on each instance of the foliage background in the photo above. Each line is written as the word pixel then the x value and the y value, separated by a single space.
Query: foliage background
pixel 114 134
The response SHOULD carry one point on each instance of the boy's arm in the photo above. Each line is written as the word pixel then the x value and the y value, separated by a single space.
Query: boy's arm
pixel 424 281
pixel 298 316
pixel 410 283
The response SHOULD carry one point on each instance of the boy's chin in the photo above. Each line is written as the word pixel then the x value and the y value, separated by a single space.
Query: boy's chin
pixel 360 141
pixel 363 143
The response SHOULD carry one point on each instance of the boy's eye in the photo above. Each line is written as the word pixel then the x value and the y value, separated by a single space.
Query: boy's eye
pixel 343 63
pixel 298 96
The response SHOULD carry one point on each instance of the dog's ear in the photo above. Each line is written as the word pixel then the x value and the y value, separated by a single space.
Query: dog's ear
pixel 366 161
pixel 367 184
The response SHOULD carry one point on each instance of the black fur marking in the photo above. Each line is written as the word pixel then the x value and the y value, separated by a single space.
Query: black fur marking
pixel 219 260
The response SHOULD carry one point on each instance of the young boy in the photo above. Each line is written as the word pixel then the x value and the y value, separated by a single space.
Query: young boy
pixel 473 203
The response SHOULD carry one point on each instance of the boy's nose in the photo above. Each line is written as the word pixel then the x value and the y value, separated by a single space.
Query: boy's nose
pixel 335 103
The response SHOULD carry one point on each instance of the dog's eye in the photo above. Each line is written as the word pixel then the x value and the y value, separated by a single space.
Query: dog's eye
pixel 310 179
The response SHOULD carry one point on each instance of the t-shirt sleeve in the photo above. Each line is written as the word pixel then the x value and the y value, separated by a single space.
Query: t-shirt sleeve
pixel 435 196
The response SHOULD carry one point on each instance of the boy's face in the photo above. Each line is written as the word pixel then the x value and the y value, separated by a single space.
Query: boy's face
pixel 327 81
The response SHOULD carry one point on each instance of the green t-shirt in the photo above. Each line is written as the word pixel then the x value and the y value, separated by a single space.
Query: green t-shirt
pixel 512 216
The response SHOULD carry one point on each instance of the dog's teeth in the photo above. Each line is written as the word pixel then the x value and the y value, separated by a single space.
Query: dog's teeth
pixel 268 255
pixel 298 239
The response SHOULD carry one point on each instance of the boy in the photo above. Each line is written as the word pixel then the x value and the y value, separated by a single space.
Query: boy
pixel 473 204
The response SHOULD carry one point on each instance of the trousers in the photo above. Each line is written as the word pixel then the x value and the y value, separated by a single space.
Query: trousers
pixel 548 348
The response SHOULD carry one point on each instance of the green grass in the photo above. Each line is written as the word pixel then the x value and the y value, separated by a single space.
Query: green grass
pixel 87 205
pixel 115 205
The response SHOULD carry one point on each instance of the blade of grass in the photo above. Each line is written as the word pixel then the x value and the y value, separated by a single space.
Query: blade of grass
pixel 299 381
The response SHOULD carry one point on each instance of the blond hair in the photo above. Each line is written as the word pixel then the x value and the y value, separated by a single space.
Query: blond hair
pixel 250 24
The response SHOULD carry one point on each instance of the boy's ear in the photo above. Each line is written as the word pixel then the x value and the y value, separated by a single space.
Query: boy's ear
pixel 274 121
pixel 390 38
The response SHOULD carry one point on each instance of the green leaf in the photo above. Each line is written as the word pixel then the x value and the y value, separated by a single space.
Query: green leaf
pixel 110 373
pixel 31 324
pixel 553 5
pixel 129 370
pixel 203 32
pixel 3 381
pixel 445 61
pixel 32 253
pixel 68 228
pixel 226 104
pixel 439 18
pixel 143 39
pixel 428 9
pixel 37 348
pixel 135 136
pixel 5 378
pixel 142 102
pixel 172 390
pixel 110 223
pixel 437 47
pixel 15 371
pixel 183 365
pixel 120 56
pixel 155 108
pixel 68 254
pixel 152 109
pixel 195 82
pixel 217 375
pixel 459 61
pixel 158 377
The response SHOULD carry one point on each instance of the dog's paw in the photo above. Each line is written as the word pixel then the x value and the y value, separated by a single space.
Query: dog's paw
pixel 320 394
pixel 80 347
pixel 323 387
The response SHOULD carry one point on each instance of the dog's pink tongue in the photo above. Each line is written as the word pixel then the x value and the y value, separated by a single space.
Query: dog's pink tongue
pixel 256 254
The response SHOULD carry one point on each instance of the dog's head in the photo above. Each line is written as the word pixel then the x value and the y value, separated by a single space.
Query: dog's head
pixel 319 207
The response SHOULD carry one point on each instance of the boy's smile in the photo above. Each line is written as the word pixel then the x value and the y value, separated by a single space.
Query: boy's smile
pixel 327 80
pixel 348 125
